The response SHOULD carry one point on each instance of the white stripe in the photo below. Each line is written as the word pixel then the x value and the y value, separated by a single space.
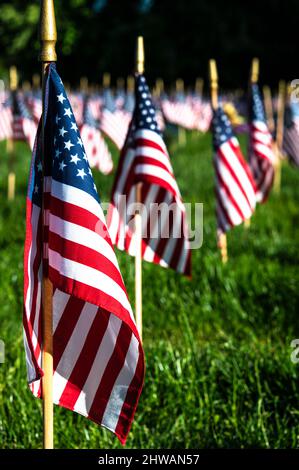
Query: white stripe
pixel 152 170
pixel 73 349
pixel 89 276
pixel 121 386
pixel 232 212
pixel 78 197
pixel 83 237
pixel 235 190
pixel 239 172
pixel 60 300
pixel 161 157
pixel 104 352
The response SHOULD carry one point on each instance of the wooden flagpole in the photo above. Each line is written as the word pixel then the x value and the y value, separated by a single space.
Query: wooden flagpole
pixel 10 145
pixel 222 240
pixel 269 108
pixel 48 37
pixel 279 134
pixel 138 219
pixel 179 86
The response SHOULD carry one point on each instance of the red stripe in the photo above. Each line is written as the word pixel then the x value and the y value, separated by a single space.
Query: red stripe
pixel 92 295
pixel 114 366
pixel 85 360
pixel 66 327
pixel 86 256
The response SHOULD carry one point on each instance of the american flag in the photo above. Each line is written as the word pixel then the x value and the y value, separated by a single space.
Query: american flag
pixel 34 102
pixel 144 158
pixel 114 123
pixel 96 148
pixel 291 133
pixel 23 126
pixel 261 154
pixel 98 356
pixel 235 188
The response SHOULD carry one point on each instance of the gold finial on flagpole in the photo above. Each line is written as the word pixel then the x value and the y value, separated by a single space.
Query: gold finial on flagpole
pixel 13 78
pixel 106 80
pixel 255 69
pixel 179 85
pixel 130 84
pixel 13 85
pixel 214 83
pixel 159 86
pixel 140 55
pixel 47 32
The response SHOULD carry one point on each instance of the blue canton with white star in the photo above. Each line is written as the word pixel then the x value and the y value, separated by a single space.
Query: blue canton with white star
pixel 257 108
pixel 222 129
pixel 65 158
pixel 144 114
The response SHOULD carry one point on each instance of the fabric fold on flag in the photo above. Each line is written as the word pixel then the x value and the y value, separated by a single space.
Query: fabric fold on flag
pixel 144 159
pixel 235 187
pixel 97 352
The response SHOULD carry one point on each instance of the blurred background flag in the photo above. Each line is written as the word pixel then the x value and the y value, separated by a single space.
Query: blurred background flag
pixel 291 132
pixel 98 364
pixel 96 148
pixel 145 159
pixel 261 156
pixel 235 188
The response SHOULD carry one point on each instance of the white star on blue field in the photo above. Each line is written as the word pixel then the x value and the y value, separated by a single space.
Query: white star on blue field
pixel 222 129
pixel 66 160
pixel 258 112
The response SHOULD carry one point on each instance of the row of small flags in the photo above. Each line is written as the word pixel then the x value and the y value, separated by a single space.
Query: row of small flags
pixel 98 365
pixel 110 113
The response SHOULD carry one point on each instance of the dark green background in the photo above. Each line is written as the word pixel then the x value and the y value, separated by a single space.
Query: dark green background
pixel 180 36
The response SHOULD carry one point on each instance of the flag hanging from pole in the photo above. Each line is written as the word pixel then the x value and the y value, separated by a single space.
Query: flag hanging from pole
pixel 144 159
pixel 235 188
pixel 261 155
pixel 98 357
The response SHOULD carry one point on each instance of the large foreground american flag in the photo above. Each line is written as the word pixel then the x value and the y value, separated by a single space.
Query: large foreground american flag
pixel 144 159
pixel 98 357
pixel 261 154
pixel 235 188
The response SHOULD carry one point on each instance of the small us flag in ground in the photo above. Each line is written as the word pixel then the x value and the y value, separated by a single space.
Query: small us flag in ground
pixel 291 133
pixel 144 159
pixel 98 357
pixel 261 155
pixel 235 188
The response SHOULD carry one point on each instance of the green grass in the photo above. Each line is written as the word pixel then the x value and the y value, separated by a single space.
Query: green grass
pixel 217 347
